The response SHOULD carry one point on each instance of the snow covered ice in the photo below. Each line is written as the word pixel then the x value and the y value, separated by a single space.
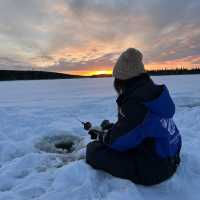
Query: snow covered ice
pixel 32 111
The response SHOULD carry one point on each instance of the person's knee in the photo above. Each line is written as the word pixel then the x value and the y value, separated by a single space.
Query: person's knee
pixel 92 152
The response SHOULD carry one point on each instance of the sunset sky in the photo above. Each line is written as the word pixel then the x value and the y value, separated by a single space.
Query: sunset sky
pixel 87 36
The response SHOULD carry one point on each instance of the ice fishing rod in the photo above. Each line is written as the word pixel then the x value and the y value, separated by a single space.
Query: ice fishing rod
pixel 105 125
pixel 96 133
pixel 86 125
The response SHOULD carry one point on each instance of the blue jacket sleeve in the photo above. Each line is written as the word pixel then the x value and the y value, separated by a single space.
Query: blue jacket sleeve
pixel 130 115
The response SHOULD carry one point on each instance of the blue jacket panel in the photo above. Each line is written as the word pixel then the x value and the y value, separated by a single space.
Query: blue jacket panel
pixel 158 124
pixel 162 106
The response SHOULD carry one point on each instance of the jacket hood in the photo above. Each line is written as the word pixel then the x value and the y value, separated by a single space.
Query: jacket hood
pixel 162 105
pixel 143 90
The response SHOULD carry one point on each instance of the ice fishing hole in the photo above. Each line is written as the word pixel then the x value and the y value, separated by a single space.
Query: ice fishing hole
pixel 58 144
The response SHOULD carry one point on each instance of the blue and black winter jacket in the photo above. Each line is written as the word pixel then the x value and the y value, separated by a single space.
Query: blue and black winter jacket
pixel 145 116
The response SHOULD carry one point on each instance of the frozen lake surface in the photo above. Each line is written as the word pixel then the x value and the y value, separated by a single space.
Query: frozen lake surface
pixel 34 113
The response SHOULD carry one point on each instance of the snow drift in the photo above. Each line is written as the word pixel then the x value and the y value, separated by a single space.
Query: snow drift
pixel 40 112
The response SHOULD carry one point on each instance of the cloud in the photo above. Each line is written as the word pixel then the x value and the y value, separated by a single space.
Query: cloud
pixel 75 34
pixel 91 64
pixel 12 64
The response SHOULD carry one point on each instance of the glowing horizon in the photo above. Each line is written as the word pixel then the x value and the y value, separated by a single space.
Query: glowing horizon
pixel 89 72
pixel 178 63
pixel 109 71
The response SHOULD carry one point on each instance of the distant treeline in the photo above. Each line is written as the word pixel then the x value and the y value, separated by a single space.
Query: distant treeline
pixel 178 71
pixel 160 72
pixel 6 75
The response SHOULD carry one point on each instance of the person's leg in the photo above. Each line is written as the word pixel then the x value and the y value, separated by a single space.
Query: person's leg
pixel 140 168
pixel 118 164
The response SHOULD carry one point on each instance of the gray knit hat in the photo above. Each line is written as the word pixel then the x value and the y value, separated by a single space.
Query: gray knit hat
pixel 129 64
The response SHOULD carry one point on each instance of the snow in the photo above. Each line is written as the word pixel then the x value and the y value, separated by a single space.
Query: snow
pixel 32 111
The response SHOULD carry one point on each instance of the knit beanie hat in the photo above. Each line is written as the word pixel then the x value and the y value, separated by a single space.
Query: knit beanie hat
pixel 129 65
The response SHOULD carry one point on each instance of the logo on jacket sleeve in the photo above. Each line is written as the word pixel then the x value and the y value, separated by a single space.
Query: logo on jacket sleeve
pixel 169 125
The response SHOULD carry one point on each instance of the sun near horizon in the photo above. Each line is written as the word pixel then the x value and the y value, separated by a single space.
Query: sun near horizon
pixel 89 72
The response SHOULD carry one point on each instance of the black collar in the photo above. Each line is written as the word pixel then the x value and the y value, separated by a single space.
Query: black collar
pixel 131 85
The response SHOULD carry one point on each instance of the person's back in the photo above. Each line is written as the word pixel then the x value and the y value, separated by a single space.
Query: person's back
pixel 144 144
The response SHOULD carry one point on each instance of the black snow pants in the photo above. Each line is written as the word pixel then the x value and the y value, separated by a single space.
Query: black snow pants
pixel 139 168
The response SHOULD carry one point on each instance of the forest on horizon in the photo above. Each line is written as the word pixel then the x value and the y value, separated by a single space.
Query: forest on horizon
pixel 6 75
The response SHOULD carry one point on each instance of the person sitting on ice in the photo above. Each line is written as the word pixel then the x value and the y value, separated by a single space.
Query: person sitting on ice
pixel 144 144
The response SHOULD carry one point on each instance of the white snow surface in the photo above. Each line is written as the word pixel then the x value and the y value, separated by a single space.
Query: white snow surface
pixel 30 111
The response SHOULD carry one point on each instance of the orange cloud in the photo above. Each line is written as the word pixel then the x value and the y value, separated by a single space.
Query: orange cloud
pixel 186 62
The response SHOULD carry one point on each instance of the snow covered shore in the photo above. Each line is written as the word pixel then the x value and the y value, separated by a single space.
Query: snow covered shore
pixel 33 110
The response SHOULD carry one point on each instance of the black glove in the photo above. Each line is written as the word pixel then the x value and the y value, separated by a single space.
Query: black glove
pixel 102 133
pixel 101 136
pixel 106 125
pixel 94 134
